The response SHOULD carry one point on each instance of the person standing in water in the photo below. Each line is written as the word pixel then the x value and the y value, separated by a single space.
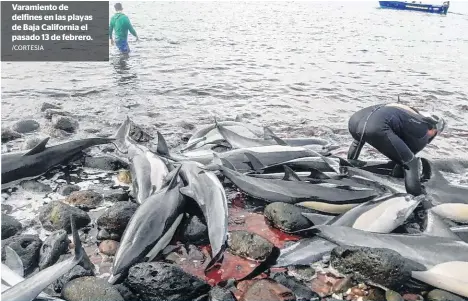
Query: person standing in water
pixel 397 131
pixel 121 24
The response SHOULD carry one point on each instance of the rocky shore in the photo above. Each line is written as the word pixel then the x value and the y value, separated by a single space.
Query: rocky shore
pixel 95 190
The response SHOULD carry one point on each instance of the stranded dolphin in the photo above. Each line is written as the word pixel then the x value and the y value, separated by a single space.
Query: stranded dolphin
pixel 30 288
pixel 324 199
pixel 37 161
pixel 152 226
pixel 205 188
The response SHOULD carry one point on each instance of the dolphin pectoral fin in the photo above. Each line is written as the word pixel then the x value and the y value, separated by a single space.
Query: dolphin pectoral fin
pixel 263 266
pixel 13 261
pixel 450 276
pixel 38 148
pixel 187 191
pixel 317 174
pixel 227 163
pixel 318 219
pixel 216 259
pixel 332 164
pixel 290 175
pixel 257 165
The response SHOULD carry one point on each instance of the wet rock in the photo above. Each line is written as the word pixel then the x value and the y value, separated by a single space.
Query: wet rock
pixel 49 113
pixel 441 295
pixel 116 195
pixel 83 269
pixel 249 245
pixel 389 295
pixel 53 247
pixel 163 281
pixel 267 289
pixel 10 226
pixel 47 105
pixel 27 247
pixel 286 217
pixel 67 189
pixel 35 186
pixel 116 218
pixel 104 163
pixel 90 288
pixel 305 273
pixel 125 292
pixel 65 123
pixel 109 247
pixel 31 143
pixel 383 266
pixel 220 294
pixel 6 208
pixel 186 125
pixel 26 126
pixel 56 216
pixel 84 199
pixel 301 291
pixel 124 176
pixel 412 297
pixel 9 135
pixel 103 235
pixel 195 231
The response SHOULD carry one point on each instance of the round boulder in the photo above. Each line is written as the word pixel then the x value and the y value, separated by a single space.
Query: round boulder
pixel 26 126
pixel 249 245
pixel 116 218
pixel 53 247
pixel 84 199
pixel 56 216
pixel 90 288
pixel 286 217
pixel 27 247
pixel 10 226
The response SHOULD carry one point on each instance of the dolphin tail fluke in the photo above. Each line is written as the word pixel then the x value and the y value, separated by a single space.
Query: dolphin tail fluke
pixel 257 165
pixel 218 258
pixel 13 261
pixel 290 175
pixel 79 252
pixel 263 266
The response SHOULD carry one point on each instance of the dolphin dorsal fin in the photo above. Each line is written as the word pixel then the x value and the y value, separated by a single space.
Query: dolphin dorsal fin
pixel 317 174
pixel 255 162
pixel 162 148
pixel 38 148
pixel 226 163
pixel 290 175
pixel 268 134
pixel 174 179
pixel 238 118
pixel 318 219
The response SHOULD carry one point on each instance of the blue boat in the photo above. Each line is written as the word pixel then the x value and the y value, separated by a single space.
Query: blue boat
pixel 428 8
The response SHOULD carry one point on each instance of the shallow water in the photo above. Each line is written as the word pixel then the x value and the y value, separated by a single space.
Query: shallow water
pixel 300 68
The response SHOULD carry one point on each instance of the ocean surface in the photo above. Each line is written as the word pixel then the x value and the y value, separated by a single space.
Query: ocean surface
pixel 301 68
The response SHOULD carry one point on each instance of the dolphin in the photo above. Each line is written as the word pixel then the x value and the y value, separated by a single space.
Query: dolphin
pixel 30 288
pixel 205 188
pixel 439 261
pixel 323 199
pixel 148 173
pixel 40 159
pixel 269 155
pixel 149 225
pixel 434 225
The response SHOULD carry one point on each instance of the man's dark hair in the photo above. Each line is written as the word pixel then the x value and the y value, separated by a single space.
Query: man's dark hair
pixel 118 6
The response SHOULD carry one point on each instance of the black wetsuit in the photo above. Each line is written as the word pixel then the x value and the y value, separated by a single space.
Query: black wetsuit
pixel 396 133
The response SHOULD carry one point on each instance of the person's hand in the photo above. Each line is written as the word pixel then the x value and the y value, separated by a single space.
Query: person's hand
pixel 112 42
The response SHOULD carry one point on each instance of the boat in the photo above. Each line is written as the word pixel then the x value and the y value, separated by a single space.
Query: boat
pixel 429 8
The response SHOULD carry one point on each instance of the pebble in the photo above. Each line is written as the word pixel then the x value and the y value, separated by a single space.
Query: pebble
pixel 249 245
pixel 382 266
pixel 53 247
pixel 65 123
pixel 441 295
pixel 116 218
pixel 124 176
pixel 67 189
pixel 158 280
pixel 10 226
pixel 84 199
pixel 90 288
pixel 35 186
pixel 9 135
pixel 26 126
pixel 267 289
pixel 286 217
pixel 109 247
pixel 47 105
pixel 195 231
pixel 27 247
pixel 56 216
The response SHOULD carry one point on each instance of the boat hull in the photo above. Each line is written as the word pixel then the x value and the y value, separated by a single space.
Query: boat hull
pixel 428 8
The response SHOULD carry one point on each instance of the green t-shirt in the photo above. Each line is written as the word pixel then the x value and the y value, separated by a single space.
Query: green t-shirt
pixel 121 24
